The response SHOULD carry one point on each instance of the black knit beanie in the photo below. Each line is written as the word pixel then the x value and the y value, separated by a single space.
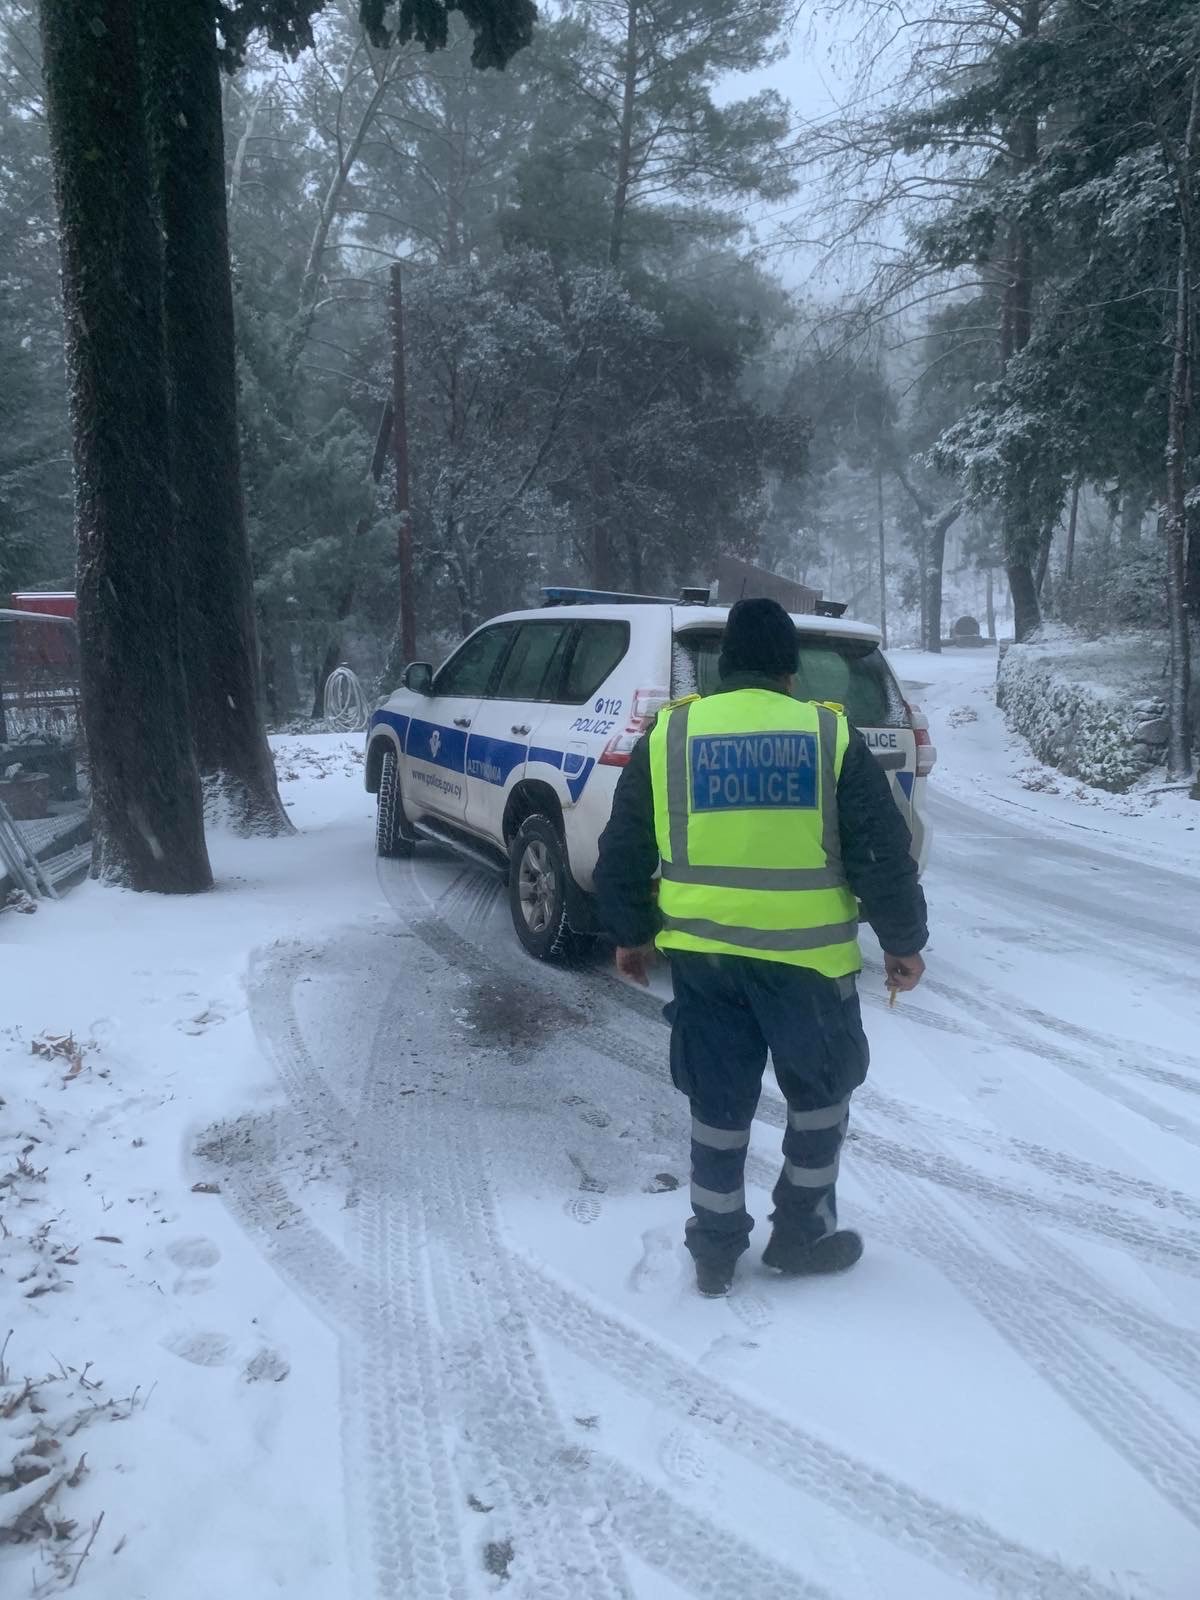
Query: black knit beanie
pixel 759 638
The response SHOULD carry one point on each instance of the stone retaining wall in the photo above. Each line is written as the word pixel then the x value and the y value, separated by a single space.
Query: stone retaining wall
pixel 1060 696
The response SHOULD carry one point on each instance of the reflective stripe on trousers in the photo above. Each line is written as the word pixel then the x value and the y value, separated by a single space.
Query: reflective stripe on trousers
pixel 805 1195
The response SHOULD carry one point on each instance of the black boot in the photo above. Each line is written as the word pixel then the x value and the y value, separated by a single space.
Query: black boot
pixel 835 1253
pixel 713 1281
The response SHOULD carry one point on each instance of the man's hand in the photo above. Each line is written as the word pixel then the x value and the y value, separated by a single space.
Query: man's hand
pixel 634 962
pixel 903 972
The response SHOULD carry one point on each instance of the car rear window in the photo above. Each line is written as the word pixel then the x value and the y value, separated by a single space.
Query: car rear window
pixel 850 672
pixel 599 648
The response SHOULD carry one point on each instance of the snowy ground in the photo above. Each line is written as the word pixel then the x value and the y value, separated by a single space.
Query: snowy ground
pixel 369 1229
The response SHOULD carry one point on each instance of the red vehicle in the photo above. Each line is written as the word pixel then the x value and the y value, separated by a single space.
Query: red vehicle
pixel 39 648
pixel 39 667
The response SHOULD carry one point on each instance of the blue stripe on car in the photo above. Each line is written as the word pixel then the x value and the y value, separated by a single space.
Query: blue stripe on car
pixel 440 747
pixel 393 720
pixel 493 760
pixel 479 756
pixel 575 785
pixel 905 780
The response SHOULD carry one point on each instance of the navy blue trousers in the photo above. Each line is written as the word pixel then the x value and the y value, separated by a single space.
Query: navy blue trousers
pixel 727 1014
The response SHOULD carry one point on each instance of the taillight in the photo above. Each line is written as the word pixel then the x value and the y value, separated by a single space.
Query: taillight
pixel 647 703
pixel 926 749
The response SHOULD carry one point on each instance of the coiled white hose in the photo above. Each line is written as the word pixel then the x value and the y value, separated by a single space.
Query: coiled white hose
pixel 346 708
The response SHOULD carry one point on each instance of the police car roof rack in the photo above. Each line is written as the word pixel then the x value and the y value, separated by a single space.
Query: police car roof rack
pixel 560 596
pixel 830 608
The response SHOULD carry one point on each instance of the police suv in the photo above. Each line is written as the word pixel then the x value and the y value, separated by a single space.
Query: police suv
pixel 510 752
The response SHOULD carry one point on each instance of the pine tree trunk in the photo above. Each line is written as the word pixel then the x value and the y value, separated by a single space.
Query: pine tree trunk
pixel 1192 575
pixel 1021 537
pixel 991 606
pixel 935 561
pixel 1072 528
pixel 183 96
pixel 146 801
pixel 1027 613
pixel 1179 741
pixel 1133 512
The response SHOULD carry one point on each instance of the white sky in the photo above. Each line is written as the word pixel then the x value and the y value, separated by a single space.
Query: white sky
pixel 815 78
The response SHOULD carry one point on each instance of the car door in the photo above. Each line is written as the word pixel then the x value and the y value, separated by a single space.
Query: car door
pixel 507 721
pixel 435 753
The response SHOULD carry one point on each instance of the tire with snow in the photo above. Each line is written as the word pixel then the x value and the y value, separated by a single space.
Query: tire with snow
pixel 394 839
pixel 537 891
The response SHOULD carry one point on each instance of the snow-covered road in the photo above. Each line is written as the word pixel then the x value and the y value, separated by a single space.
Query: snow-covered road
pixel 470 1181
pixel 1004 1399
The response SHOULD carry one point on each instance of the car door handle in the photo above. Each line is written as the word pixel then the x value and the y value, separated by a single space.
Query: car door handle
pixel 462 722
pixel 522 727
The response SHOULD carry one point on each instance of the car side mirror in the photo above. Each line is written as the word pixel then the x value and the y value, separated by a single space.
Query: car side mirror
pixel 418 677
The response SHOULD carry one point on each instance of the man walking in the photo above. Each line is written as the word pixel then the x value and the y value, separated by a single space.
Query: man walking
pixel 771 822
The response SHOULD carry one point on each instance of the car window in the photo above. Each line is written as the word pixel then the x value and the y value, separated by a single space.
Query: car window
pixel 469 670
pixel 531 671
pixel 599 647
pixel 850 672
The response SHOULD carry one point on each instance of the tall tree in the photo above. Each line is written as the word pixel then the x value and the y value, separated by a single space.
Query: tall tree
pixel 145 788
pixel 220 646
pixel 36 542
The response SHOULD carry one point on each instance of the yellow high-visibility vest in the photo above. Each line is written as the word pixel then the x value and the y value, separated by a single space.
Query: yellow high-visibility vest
pixel 745 811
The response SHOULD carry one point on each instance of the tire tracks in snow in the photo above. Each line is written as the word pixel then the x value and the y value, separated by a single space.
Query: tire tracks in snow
pixel 958 1543
pixel 995 1025
pixel 506 1417
pixel 1142 1237
pixel 953 1541
pixel 383 1429
pixel 1055 1164
pixel 1140 1431
pixel 325 1112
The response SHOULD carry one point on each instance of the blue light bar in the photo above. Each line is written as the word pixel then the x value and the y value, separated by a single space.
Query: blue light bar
pixel 559 596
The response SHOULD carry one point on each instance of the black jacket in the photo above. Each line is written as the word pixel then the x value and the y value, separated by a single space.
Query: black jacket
pixel 876 847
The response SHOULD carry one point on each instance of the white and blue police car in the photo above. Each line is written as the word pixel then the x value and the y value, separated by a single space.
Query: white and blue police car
pixel 510 752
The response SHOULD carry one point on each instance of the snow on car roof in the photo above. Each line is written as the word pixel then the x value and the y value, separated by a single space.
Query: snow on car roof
pixel 691 618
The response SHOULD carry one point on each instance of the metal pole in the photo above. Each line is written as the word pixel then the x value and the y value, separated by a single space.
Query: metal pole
pixel 408 620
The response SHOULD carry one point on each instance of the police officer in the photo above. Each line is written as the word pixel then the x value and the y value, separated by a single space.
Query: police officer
pixel 772 822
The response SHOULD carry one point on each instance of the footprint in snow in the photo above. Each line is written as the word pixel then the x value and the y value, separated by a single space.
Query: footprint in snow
pixel 201 1349
pixel 683 1457
pixel 192 1256
pixel 268 1366
pixel 659 1265
pixel 727 1354
pixel 211 1017
pixel 750 1309
pixel 194 1252
pixel 583 1208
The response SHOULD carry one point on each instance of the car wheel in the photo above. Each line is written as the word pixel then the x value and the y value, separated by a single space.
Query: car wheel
pixel 537 891
pixel 394 838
